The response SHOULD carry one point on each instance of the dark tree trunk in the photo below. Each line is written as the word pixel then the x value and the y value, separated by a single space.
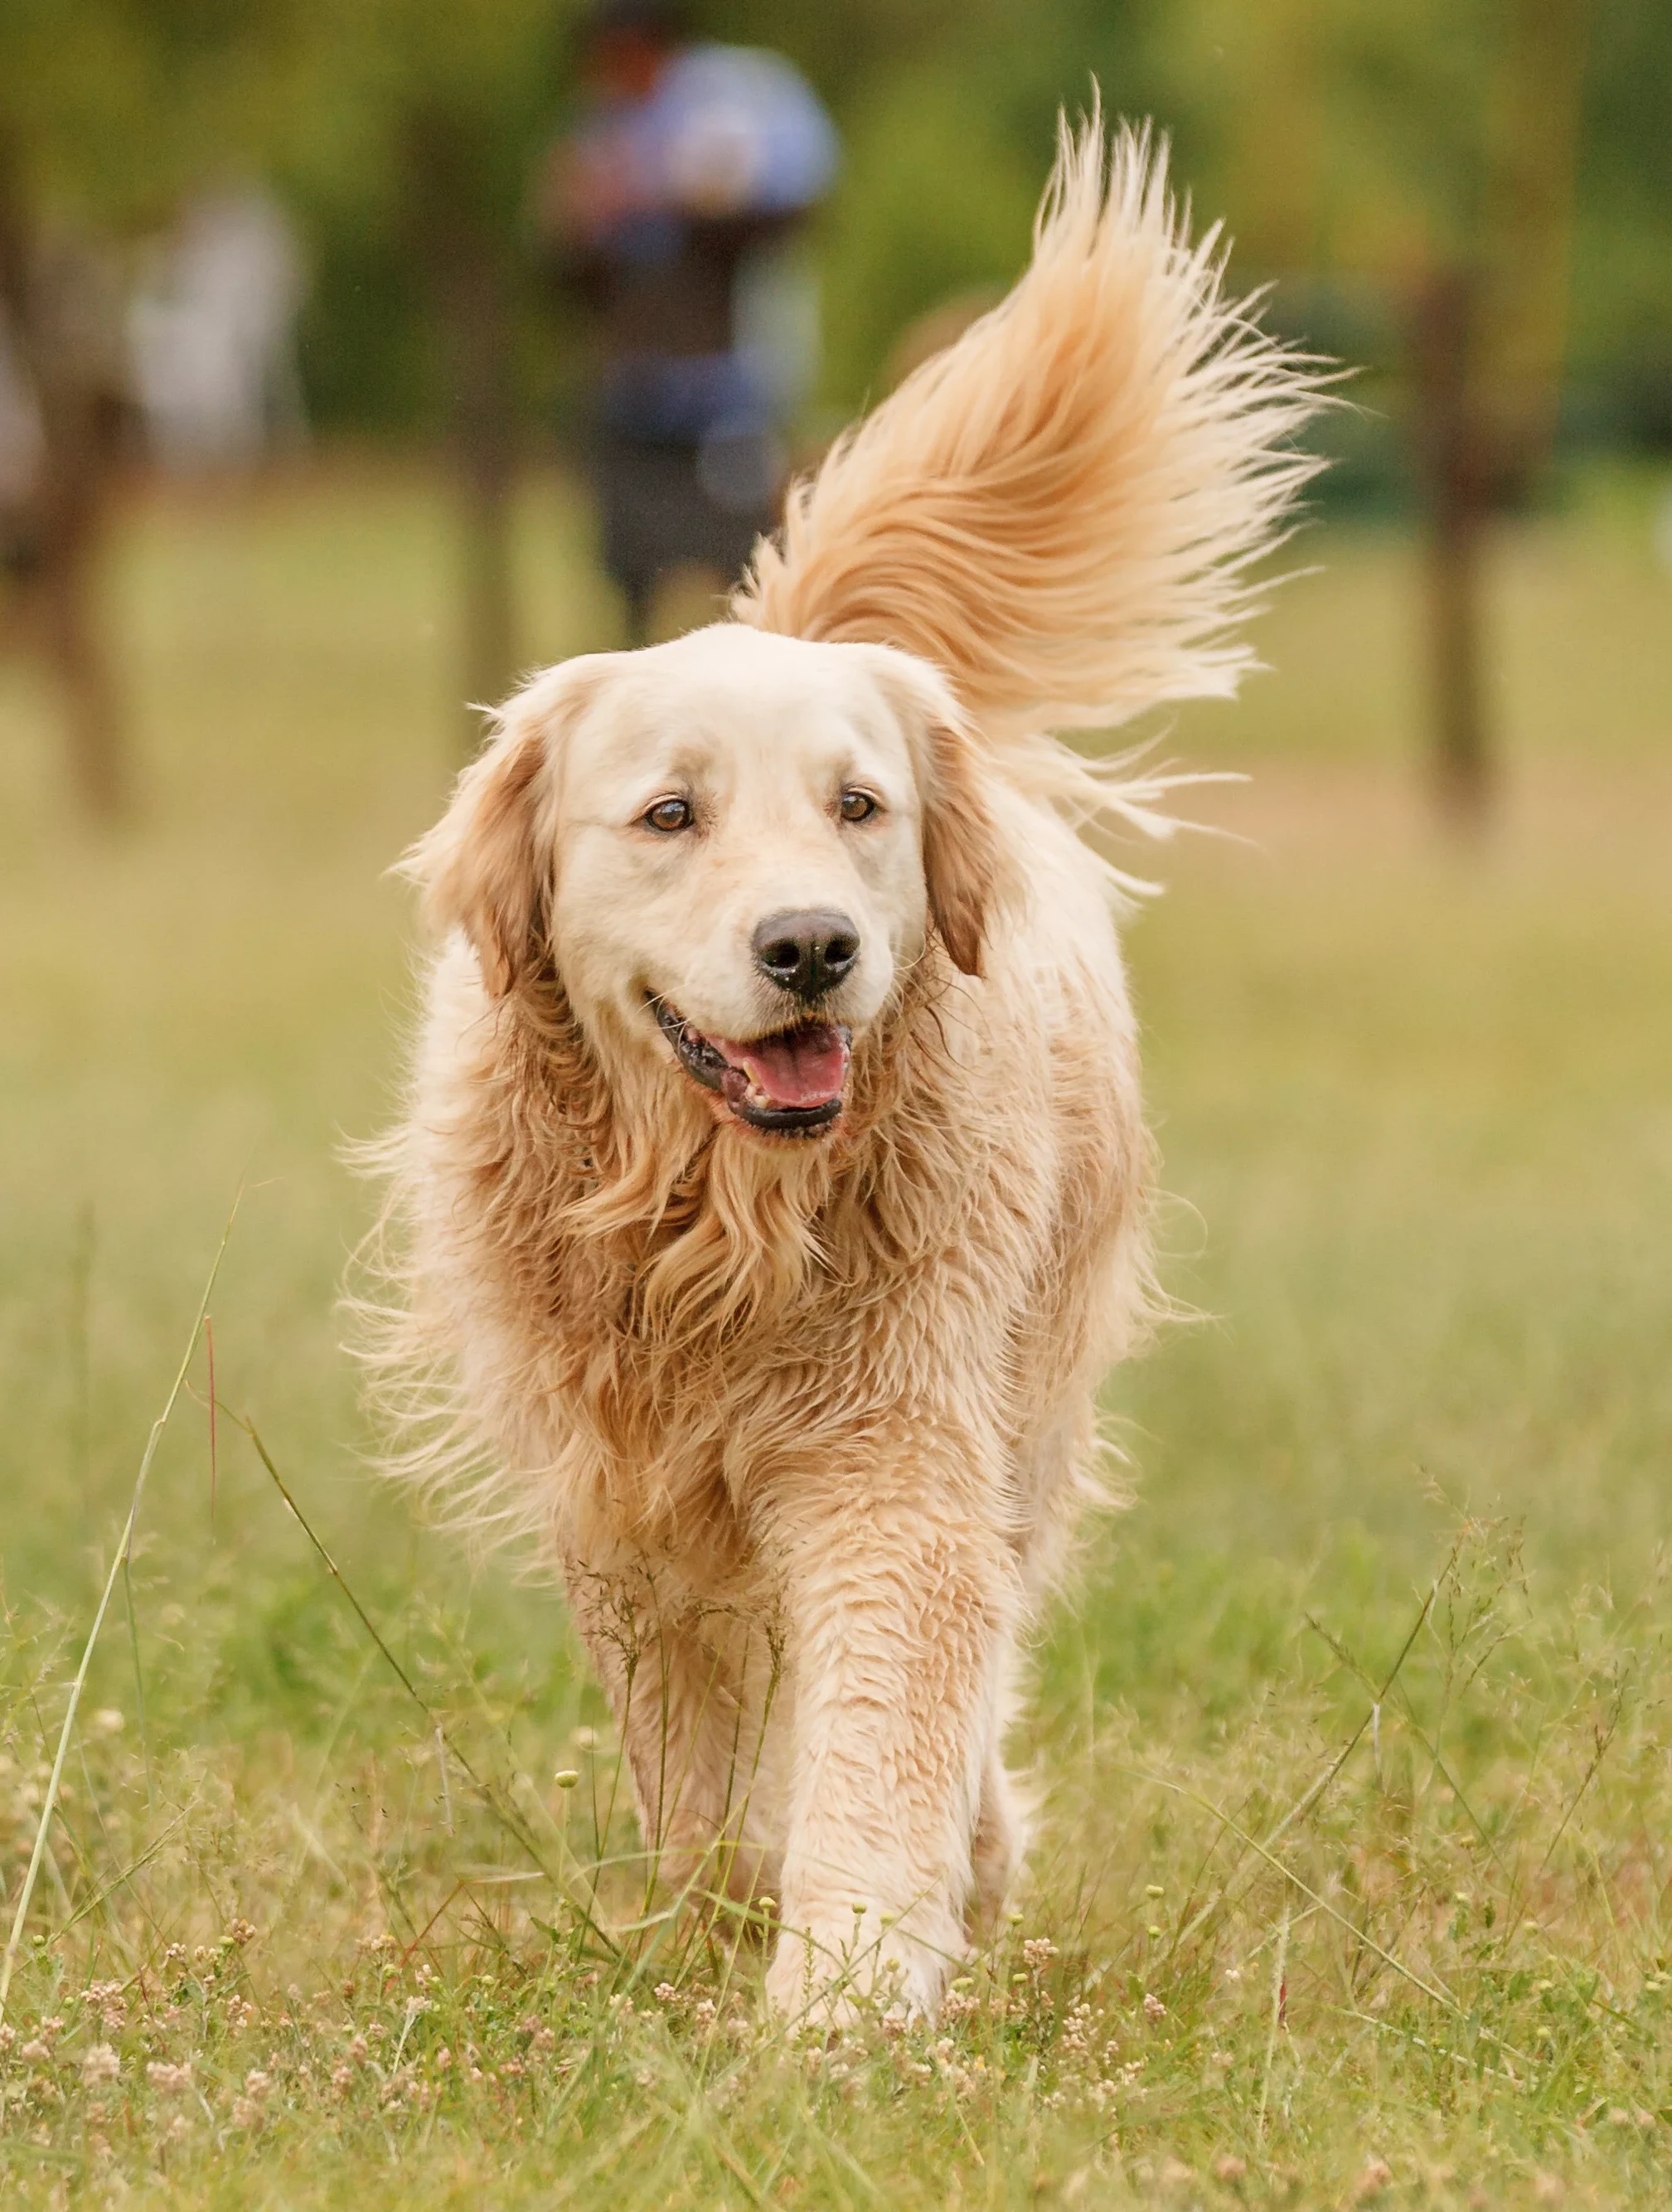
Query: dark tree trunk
pixel 1456 477
pixel 1487 345
pixel 73 640
pixel 65 331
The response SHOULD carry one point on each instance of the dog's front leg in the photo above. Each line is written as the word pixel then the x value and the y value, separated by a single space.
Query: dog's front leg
pixel 693 1698
pixel 900 1599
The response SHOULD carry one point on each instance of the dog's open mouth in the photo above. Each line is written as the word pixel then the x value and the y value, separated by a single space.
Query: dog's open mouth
pixel 791 1083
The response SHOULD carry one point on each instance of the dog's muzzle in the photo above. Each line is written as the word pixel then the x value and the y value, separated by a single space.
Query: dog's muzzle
pixel 791 1084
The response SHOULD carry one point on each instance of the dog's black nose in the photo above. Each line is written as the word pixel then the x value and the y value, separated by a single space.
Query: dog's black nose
pixel 807 954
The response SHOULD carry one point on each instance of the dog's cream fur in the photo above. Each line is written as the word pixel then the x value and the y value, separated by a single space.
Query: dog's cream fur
pixel 806 1422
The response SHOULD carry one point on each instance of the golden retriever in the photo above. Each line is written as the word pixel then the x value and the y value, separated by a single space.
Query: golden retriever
pixel 771 1195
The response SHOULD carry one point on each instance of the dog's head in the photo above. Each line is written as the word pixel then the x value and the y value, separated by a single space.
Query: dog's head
pixel 732 849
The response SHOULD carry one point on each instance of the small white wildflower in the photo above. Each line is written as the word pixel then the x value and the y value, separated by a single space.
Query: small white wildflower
pixel 99 2064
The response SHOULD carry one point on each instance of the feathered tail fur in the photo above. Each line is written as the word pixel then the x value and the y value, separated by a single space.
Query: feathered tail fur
pixel 1060 510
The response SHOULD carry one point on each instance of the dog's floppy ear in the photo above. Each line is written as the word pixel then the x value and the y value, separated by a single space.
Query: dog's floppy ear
pixel 964 866
pixel 488 865
pixel 961 858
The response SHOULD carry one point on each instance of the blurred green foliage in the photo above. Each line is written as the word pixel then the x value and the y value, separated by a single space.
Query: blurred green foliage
pixel 1344 143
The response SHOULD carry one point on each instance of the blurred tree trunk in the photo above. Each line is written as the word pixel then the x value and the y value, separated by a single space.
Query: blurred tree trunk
pixel 65 334
pixel 73 636
pixel 469 268
pixel 1488 348
pixel 1452 466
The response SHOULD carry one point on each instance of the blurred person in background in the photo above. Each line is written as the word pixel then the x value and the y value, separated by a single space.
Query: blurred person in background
pixel 667 208
pixel 212 332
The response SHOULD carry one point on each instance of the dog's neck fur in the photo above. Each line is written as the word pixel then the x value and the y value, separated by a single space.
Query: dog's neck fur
pixel 683 1229
pixel 639 1246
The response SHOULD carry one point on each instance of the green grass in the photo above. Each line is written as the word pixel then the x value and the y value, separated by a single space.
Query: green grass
pixel 1414 1107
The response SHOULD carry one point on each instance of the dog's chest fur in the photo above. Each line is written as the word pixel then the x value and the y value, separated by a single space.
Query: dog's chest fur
pixel 654 1349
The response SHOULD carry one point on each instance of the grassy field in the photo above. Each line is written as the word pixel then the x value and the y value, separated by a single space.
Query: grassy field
pixel 1351 1747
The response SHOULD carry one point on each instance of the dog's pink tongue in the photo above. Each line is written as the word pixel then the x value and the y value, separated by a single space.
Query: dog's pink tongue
pixel 800 1067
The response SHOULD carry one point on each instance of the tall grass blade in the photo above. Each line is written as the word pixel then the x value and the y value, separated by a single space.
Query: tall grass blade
pixel 117 1567
pixel 1279 1990
pixel 493 1799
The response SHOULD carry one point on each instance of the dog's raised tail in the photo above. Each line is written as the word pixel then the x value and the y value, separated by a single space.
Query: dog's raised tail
pixel 1061 510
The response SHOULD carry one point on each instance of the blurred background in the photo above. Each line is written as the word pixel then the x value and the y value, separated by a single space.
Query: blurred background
pixel 348 253
pixel 334 372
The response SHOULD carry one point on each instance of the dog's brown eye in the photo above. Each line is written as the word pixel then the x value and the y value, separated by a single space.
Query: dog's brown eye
pixel 857 805
pixel 670 814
